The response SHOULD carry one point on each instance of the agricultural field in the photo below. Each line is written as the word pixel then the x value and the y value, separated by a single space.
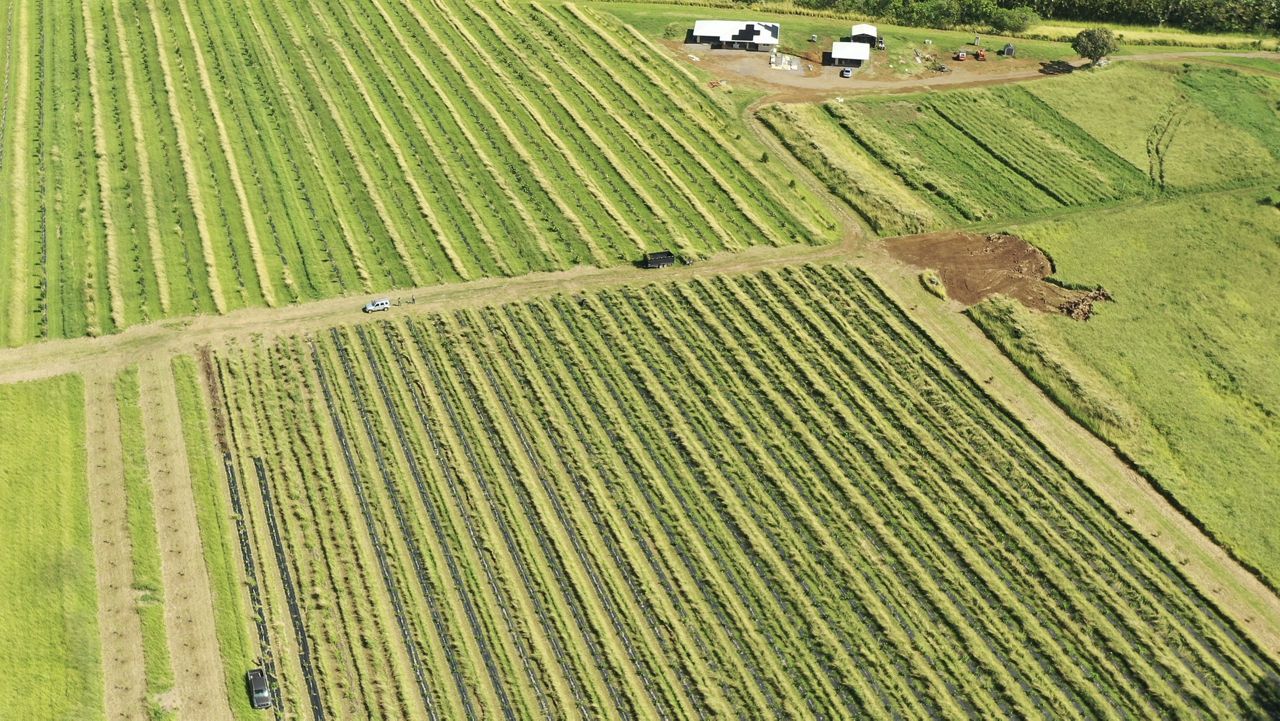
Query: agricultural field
pixel 164 158
pixel 655 502
pixel 48 644
pixel 1177 372
pixel 1130 132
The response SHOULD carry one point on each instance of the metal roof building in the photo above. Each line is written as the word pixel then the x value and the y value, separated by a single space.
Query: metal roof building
pixel 851 54
pixel 735 34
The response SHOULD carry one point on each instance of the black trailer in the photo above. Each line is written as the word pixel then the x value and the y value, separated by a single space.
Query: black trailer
pixel 660 259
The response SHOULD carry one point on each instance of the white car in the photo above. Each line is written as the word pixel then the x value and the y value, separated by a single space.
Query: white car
pixel 846 73
pixel 377 305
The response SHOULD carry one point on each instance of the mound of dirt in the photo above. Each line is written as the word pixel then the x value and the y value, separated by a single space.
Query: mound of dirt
pixel 974 266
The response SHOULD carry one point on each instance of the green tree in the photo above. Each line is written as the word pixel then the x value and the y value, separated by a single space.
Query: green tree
pixel 1095 44
pixel 1013 20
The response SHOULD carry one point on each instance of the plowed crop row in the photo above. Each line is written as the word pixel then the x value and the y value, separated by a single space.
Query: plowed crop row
pixel 761 496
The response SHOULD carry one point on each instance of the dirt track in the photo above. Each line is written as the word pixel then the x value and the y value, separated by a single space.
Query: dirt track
pixel 751 69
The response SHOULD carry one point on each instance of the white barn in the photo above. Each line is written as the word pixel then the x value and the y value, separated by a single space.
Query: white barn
pixel 735 34
pixel 850 54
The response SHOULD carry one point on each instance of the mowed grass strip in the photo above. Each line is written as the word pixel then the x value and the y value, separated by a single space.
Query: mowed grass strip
pixel 140 511
pixel 48 611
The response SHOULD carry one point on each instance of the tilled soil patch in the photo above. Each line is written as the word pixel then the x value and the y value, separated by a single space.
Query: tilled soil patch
pixel 974 266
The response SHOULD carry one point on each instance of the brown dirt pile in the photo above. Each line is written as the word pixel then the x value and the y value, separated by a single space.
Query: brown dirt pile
pixel 974 266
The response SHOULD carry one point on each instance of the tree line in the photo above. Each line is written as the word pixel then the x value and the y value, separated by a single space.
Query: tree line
pixel 1018 15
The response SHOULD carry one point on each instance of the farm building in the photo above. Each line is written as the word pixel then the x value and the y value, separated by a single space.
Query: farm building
pixel 660 259
pixel 864 33
pixel 851 55
pixel 734 34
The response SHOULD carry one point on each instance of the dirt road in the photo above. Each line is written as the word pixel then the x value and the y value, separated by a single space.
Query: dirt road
pixel 751 69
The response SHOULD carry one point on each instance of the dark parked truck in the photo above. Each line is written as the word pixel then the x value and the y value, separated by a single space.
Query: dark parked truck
pixel 259 689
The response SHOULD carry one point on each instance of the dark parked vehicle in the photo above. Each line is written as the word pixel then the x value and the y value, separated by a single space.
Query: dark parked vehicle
pixel 259 689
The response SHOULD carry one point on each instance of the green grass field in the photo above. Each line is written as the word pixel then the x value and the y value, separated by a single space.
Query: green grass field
pixel 1130 132
pixel 48 612
pixel 655 502
pixel 1178 371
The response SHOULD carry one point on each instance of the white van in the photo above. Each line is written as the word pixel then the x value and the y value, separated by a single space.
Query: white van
pixel 377 305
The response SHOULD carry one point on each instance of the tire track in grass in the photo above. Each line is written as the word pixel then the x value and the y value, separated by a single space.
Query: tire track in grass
pixel 188 606
pixel 265 283
pixel 188 166
pixel 119 628
pixel 384 567
pixel 20 197
pixel 291 595
pixel 100 153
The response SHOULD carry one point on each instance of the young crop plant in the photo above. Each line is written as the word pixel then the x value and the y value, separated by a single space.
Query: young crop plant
pixel 626 503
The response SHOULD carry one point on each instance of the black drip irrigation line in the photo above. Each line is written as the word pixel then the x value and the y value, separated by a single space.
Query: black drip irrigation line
pixel 521 565
pixel 384 567
pixel 397 353
pixel 290 595
pixel 517 423
pixel 415 552
pixel 255 594
pixel 588 562
pixel 453 483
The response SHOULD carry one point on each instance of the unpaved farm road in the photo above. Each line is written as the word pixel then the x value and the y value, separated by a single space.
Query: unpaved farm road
pixel 1250 604
pixel 752 70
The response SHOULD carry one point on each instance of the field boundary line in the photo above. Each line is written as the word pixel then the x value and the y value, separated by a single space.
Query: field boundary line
pixel 188 168
pixel 104 185
pixel 1224 582
pixel 188 606
pixel 250 224
pixel 144 161
pixel 119 627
